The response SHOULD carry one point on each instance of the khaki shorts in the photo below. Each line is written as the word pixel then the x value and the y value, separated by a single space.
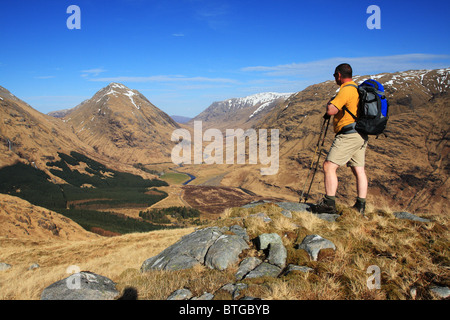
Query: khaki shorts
pixel 348 149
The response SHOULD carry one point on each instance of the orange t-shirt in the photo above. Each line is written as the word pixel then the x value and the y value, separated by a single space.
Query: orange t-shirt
pixel 347 96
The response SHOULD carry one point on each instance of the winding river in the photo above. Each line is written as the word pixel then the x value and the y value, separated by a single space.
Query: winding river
pixel 190 176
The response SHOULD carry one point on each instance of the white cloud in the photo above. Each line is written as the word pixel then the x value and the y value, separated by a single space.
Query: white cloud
pixel 360 65
pixel 178 34
pixel 92 72
pixel 44 77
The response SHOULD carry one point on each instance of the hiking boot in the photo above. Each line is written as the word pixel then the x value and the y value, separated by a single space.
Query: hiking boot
pixel 324 206
pixel 360 207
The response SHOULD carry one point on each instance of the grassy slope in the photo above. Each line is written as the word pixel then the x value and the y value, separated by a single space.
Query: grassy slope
pixel 409 254
pixel 109 189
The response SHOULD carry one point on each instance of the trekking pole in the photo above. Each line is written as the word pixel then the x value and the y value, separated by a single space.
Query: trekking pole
pixel 317 163
pixel 321 138
pixel 312 160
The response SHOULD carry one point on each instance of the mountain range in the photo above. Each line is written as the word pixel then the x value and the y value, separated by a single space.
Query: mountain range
pixel 239 112
pixel 120 127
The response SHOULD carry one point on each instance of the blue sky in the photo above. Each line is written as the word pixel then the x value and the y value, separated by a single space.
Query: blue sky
pixel 185 54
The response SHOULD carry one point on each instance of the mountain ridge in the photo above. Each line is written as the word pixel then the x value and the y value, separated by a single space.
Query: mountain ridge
pixel 124 124
pixel 239 112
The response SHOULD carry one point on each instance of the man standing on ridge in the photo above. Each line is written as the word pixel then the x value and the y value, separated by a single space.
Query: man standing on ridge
pixel 348 147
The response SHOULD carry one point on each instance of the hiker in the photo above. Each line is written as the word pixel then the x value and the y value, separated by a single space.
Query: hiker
pixel 348 147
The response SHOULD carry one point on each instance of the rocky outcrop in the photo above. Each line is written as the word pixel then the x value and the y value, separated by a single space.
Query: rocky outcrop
pixel 314 243
pixel 81 286
pixel 210 246
pixel 264 240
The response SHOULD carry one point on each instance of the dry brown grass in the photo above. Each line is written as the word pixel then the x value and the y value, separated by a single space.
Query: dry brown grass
pixel 409 254
pixel 109 257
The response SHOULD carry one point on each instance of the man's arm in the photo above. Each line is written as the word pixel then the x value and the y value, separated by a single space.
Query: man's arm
pixel 332 109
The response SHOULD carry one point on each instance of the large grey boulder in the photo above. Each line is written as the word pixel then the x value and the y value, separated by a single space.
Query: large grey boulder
pixel 277 255
pixel 186 253
pixel 209 246
pixel 81 286
pixel 264 240
pixel 313 243
pixel 225 251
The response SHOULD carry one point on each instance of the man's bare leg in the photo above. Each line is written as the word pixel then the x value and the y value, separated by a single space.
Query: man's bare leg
pixel 331 179
pixel 361 181
pixel 361 188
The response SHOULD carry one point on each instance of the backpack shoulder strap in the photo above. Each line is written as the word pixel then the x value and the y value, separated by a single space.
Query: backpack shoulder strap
pixel 350 85
pixel 345 107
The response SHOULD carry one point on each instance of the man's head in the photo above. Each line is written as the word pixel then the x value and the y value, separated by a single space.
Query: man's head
pixel 343 73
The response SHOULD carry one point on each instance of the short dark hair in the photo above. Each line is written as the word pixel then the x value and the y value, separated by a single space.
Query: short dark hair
pixel 345 70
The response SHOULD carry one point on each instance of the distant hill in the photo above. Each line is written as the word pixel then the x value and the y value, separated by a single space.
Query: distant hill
pixel 181 119
pixel 239 112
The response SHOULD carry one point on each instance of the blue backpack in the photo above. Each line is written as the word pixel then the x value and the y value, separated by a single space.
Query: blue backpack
pixel 373 108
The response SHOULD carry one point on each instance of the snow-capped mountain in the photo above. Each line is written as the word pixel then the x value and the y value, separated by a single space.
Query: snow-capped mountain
pixel 117 118
pixel 432 80
pixel 240 112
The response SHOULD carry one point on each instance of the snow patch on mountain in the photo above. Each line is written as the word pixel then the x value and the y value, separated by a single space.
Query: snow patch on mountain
pixel 260 108
pixel 255 99
pixel 402 79
pixel 130 95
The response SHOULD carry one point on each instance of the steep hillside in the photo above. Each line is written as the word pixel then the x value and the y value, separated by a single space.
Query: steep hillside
pixel 239 112
pixel 31 137
pixel 408 169
pixel 122 124
pixel 22 220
